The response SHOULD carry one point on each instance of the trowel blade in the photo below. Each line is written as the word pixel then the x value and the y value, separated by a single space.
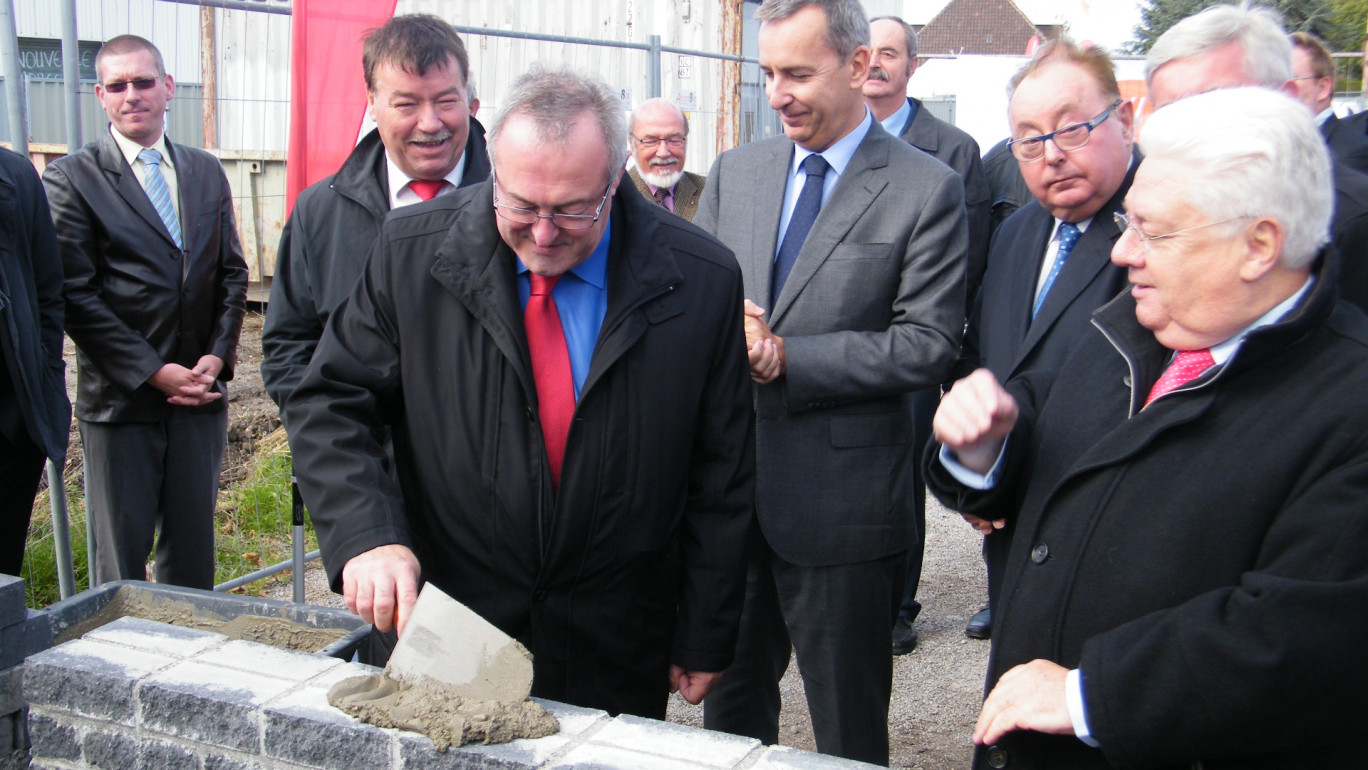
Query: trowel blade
pixel 446 641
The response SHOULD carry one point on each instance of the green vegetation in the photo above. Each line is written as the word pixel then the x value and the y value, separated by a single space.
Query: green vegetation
pixel 253 527
pixel 1341 23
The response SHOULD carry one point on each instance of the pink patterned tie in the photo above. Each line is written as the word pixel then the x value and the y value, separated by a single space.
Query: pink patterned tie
pixel 1187 366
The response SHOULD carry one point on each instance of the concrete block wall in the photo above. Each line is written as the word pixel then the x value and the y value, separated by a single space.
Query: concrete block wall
pixel 136 693
pixel 23 632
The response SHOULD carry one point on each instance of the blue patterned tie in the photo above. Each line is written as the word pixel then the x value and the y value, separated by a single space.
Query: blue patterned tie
pixel 1068 236
pixel 804 214
pixel 160 194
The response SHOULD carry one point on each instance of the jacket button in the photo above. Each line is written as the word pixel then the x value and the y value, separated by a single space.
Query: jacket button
pixel 539 597
pixel 1040 553
pixel 997 757
pixel 1126 381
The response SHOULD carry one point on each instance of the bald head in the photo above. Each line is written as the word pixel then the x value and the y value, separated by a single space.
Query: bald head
pixel 659 142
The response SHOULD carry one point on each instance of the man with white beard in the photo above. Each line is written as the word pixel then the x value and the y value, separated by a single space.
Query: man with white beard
pixel 660 136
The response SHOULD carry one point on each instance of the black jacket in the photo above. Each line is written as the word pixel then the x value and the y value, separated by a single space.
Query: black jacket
pixel 637 562
pixel 134 301
pixel 1203 560
pixel 31 313
pixel 322 250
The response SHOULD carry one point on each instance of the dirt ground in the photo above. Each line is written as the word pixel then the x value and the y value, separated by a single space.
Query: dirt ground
pixel 936 688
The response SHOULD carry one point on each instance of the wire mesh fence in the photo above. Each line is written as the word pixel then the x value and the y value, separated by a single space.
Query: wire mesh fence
pixel 230 61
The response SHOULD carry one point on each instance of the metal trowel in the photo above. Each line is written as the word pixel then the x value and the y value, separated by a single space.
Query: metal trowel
pixel 447 643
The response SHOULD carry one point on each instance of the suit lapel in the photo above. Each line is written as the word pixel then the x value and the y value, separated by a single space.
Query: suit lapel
pixel 191 200
pixel 1021 296
pixel 1089 257
pixel 849 200
pixel 771 175
pixel 113 163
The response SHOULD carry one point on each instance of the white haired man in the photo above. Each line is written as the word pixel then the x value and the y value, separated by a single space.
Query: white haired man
pixel 1226 46
pixel 1182 592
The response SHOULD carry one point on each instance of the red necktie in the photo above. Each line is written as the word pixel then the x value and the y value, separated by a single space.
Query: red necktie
pixel 427 189
pixel 550 369
pixel 1187 366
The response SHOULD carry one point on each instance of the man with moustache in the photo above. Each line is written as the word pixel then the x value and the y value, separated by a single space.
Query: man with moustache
pixel 893 60
pixel 1227 46
pixel 156 288
pixel 852 245
pixel 562 365
pixel 660 137
pixel 426 143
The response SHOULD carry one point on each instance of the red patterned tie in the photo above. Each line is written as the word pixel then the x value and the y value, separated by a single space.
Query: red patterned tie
pixel 1187 366
pixel 550 369
pixel 427 189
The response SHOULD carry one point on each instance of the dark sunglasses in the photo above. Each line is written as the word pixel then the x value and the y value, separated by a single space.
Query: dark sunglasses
pixel 119 86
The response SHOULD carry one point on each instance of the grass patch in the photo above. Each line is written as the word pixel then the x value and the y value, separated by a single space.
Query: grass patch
pixel 253 527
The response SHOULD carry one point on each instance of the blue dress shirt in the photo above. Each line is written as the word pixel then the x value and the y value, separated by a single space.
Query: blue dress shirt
pixel 581 297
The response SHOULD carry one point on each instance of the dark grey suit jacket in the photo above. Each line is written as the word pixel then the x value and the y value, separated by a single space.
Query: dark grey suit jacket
pixel 1348 139
pixel 134 301
pixel 959 151
pixel 871 311
pixel 1001 334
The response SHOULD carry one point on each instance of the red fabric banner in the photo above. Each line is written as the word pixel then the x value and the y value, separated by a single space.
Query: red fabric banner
pixel 327 86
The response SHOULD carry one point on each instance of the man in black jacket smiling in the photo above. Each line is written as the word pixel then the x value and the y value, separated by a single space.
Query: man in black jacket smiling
pixel 426 143
pixel 563 366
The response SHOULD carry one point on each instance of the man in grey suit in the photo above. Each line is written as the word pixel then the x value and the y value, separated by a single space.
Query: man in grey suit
pixel 155 290
pixel 851 246
pixel 660 139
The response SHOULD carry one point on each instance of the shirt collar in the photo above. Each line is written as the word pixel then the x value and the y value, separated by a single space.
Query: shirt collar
pixel 594 270
pixel 398 179
pixel 1324 115
pixel 1222 352
pixel 894 123
pixel 130 148
pixel 838 155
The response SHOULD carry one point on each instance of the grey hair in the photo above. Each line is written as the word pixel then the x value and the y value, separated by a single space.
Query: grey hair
pixel 847 27
pixel 1258 30
pixel 907 30
pixel 1249 152
pixel 552 99
pixel 663 103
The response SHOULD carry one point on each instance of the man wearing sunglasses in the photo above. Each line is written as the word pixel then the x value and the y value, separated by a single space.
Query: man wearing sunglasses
pixel 660 139
pixel 156 289
pixel 562 365
pixel 1049 265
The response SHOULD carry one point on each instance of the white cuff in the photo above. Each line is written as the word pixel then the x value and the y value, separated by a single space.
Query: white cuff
pixel 1073 695
pixel 979 481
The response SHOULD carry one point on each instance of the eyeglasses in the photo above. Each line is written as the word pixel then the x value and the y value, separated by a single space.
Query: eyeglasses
pixel 651 142
pixel 1071 137
pixel 119 86
pixel 563 221
pixel 1122 221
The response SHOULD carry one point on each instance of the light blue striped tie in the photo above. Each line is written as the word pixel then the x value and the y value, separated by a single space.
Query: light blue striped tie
pixel 160 194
